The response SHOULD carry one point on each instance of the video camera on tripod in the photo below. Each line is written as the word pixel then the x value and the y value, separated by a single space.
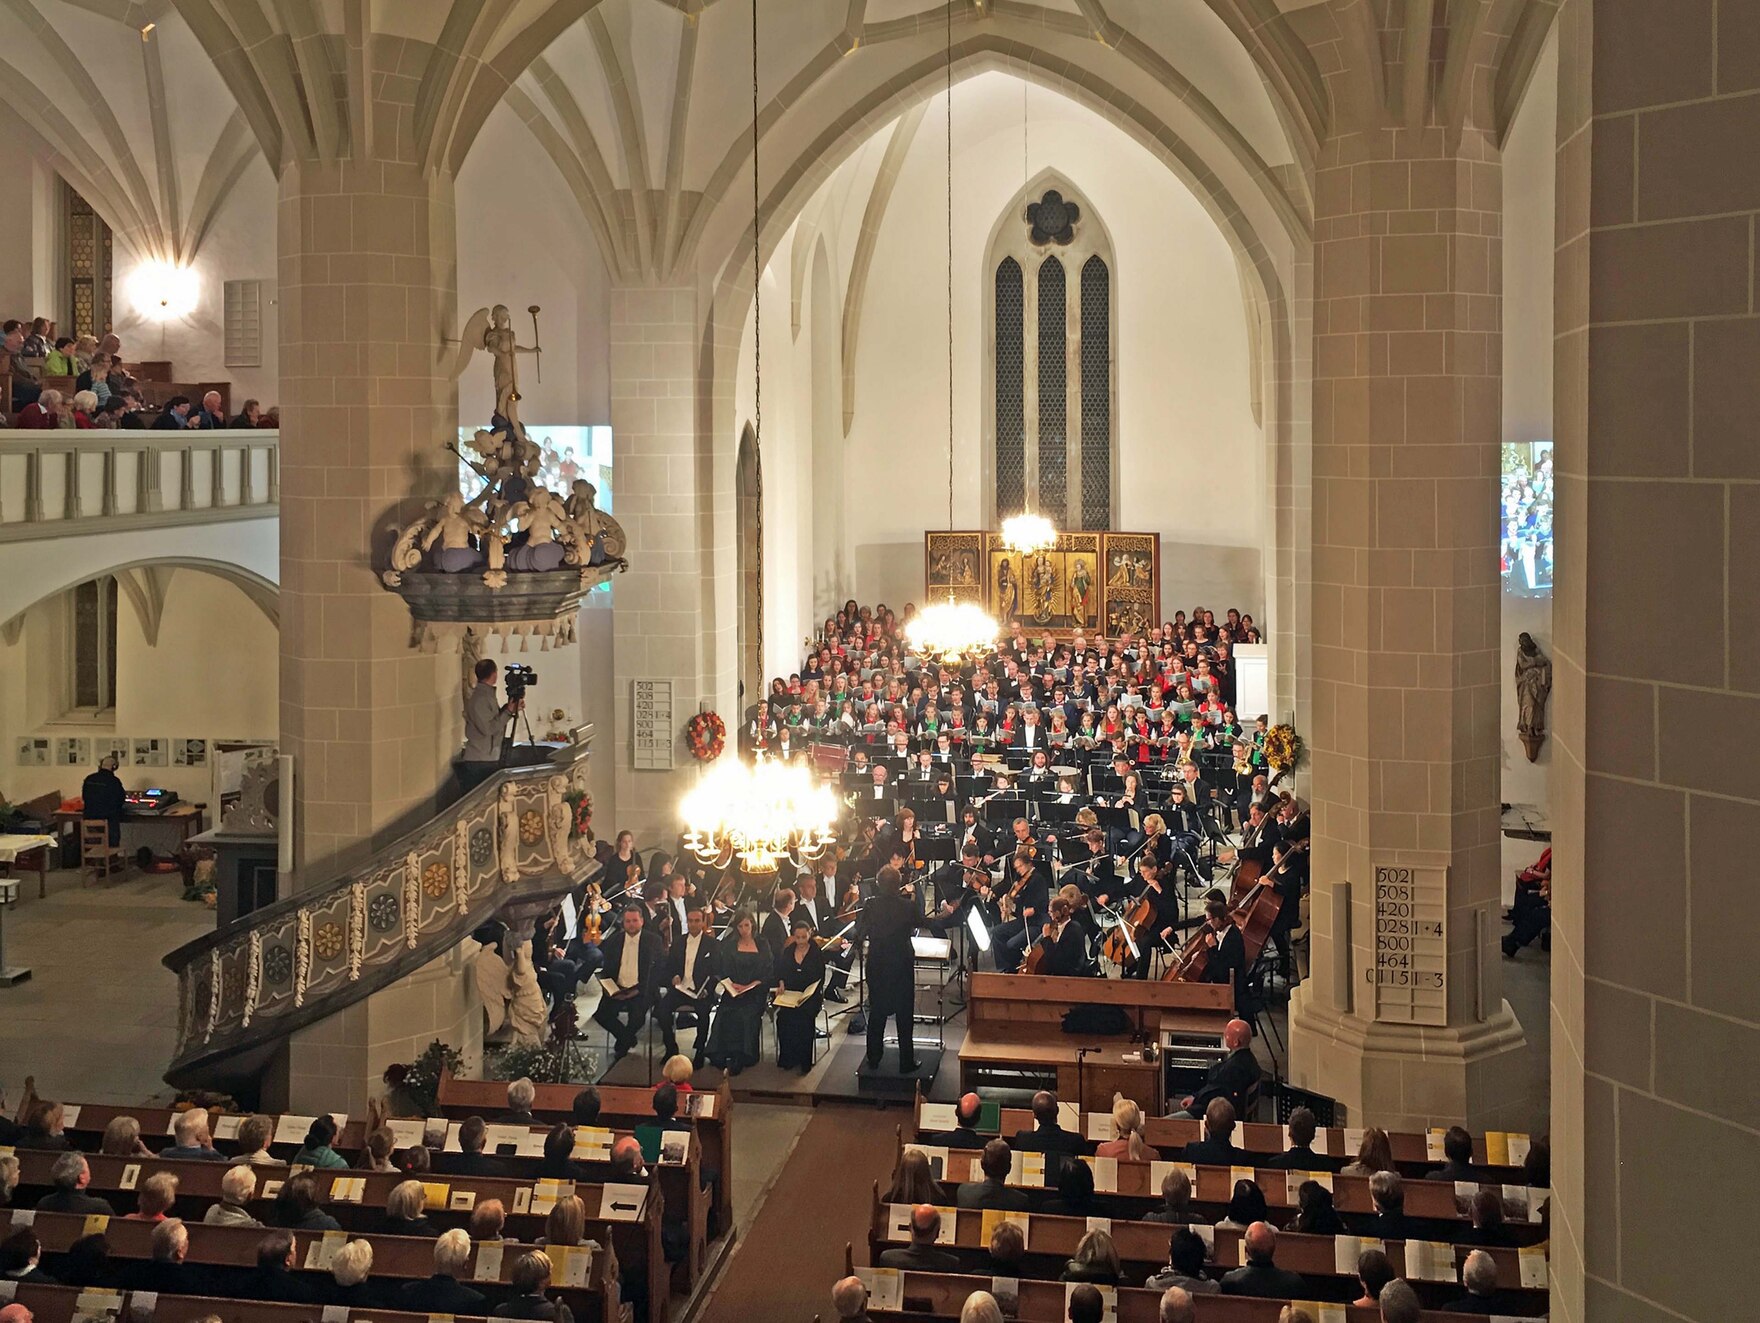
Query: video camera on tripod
pixel 517 679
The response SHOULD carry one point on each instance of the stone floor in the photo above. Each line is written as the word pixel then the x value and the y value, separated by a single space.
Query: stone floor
pixel 97 1018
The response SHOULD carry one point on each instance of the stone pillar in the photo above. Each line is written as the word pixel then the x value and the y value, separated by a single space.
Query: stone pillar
pixel 1405 622
pixel 367 280
pixel 672 486
pixel 1655 789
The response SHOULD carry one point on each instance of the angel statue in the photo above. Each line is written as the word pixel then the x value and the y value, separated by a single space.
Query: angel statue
pixel 504 350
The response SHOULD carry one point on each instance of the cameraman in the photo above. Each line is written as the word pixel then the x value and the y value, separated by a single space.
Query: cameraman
pixel 485 727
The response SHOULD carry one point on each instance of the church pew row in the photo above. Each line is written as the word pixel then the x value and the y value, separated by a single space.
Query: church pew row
pixel 1499 1153
pixel 620 1105
pixel 232 1252
pixel 1134 1189
pixel 936 1296
pixel 637 1242
pixel 1327 1263
pixel 60 1304
pixel 682 1187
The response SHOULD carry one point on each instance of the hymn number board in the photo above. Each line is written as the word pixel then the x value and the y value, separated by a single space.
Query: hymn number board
pixel 652 727
pixel 1410 974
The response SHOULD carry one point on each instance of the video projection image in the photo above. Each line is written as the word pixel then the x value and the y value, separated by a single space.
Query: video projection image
pixel 1526 525
pixel 568 454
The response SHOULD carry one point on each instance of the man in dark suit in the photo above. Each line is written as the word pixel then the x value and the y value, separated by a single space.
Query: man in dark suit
pixel 1479 1276
pixel 1389 1221
pixel 1300 1155
pixel 273 1279
pixel 821 911
pixel 1457 1149
pixel 688 967
pixel 1217 1148
pixel 1261 1276
pixel 965 1134
pixel 1228 962
pixel 972 831
pixel 1047 1136
pixel 442 1293
pixel 470 1160
pixel 70 1176
pixel 632 957
pixel 166 1273
pixel 1066 944
pixel 1232 1076
pixel 993 1191
pixel 888 920
pixel 921 1255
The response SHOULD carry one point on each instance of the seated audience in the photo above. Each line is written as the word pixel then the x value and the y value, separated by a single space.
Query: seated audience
pixel 273 1279
pixel 1008 1246
pixel 190 1130
pixel 993 1191
pixel 1246 1205
pixel 351 1272
pixel 1176 1306
pixel 296 1207
pixel 1374 1271
pixel 237 1188
pixel 1231 1077
pixel 1389 1222
pixel 964 1133
pixel 166 1272
pixel 249 416
pixel 566 1223
pixel 1129 1145
pixel 1261 1276
pixel 1176 1200
pixel 318 1149
pixel 8 1178
pixel 175 415
pixel 521 1093
pixel 70 1175
pixel 1185 1266
pixel 914 1183
pixel 488 1221
pixel 471 1160
pixel 849 1297
pixel 531 1275
pixel 1399 1303
pixel 122 1139
pixel 1216 1148
pixel 86 1263
pixel 1086 1305
pixel 1095 1260
pixel 442 1293
pixel 377 1150
pixel 1487 1229
pixel 405 1211
pixel 921 1255
pixel 584 1110
pixel 1300 1155
pixel 1047 1135
pixel 1374 1154
pixel 1479 1276
pixel 155 1197
pixel 1316 1214
pixel 254 1134
pixel 20 1254
pixel 558 1162
pixel 1457 1152
pixel 980 1307
pixel 43 1128
pixel 1075 1193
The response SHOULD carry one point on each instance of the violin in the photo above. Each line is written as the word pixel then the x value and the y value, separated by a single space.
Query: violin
pixel 592 927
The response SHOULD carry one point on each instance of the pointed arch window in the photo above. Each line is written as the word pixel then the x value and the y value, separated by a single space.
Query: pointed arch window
pixel 1051 444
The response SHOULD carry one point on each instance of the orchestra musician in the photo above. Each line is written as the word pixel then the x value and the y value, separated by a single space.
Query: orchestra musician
pixel 1156 931
pixel 1062 942
pixel 826 922
pixel 687 979
pixel 1027 899
pixel 1228 962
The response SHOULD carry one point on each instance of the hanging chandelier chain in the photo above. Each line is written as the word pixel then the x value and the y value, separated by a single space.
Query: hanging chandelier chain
pixel 950 266
pixel 757 364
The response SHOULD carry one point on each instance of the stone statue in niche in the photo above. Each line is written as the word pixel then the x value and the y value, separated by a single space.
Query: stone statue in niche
pixel 1533 688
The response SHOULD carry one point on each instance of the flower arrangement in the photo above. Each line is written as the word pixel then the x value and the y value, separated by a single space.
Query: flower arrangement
pixel 580 804
pixel 1284 749
pixel 707 735
pixel 419 1080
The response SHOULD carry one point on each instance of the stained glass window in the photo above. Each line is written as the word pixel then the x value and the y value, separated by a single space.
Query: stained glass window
pixel 1011 435
pixel 1096 394
pixel 1053 392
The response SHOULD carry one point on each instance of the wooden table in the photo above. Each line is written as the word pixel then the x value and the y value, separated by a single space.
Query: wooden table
pixel 190 819
pixel 27 854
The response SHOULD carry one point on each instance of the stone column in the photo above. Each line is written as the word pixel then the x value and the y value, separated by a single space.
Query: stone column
pixel 1405 623
pixel 1655 787
pixel 367 280
pixel 672 490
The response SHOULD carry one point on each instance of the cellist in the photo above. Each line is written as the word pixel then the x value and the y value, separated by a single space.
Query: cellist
pixel 1062 949
pixel 1228 962
pixel 1159 909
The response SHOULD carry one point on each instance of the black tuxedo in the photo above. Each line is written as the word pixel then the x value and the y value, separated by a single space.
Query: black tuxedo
pixel 1230 1078
pixel 887 922
pixel 1228 964
pixel 1067 956
pixel 823 915
pixel 700 973
pixel 613 1011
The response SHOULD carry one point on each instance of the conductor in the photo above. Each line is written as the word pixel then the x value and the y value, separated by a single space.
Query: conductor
pixel 887 922
pixel 485 727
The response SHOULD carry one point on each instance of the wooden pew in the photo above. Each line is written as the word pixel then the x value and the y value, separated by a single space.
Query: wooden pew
pixel 397 1258
pixel 619 1105
pixel 1169 1135
pixel 934 1295
pixel 1138 1191
pixel 637 1243
pixel 56 1304
pixel 1014 1032
pixel 681 1187
pixel 1142 1249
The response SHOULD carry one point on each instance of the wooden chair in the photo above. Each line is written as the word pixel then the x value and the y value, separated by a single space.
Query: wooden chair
pixel 101 859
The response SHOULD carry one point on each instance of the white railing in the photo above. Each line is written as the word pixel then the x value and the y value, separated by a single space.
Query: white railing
pixel 59 483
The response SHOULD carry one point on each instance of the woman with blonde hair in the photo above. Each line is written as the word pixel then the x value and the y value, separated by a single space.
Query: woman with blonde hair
pixel 1127 1121
pixel 122 1139
pixel 153 1202
pixel 677 1071
pixel 350 1269
pixel 377 1150
pixel 914 1184
pixel 980 1307
pixel 566 1224
pixel 1096 1260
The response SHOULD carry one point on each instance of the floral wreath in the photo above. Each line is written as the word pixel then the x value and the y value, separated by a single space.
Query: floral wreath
pixel 1284 749
pixel 707 735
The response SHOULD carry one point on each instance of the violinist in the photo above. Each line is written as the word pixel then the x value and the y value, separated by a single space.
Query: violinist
pixel 1160 917
pixel 826 922
pixel 687 979
pixel 1156 844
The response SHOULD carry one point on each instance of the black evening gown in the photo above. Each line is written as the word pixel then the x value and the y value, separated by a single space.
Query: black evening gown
pixel 794 1025
pixel 733 1042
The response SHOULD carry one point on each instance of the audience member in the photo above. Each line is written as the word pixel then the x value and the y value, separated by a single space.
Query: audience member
pixel 993 1191
pixel 1316 1215
pixel 296 1207
pixel 584 1110
pixel 1246 1205
pixel 1389 1222
pixel 318 1150
pixel 488 1221
pixel 59 361
pixel 980 1307
pixel 237 1188
pixel 1216 1148
pixel 566 1223
pixel 1231 1077
pixel 166 1272
pixel 530 1277
pixel 86 1263
pixel 377 1151
pixel 1008 1246
pixel 964 1133
pixel 43 1128
pixel 1399 1303
pixel 1047 1135
pixel 273 1279
pixel 1374 1154
pixel 1075 1193
pixel 122 1139
pixel 520 1096
pixel 1374 1271
pixel 155 1197
pixel 175 415
pixel 209 413
pixel 1300 1155
pixel 249 416
pixel 1086 1305
pixel 406 1211
pixel 1185 1266
pixel 1485 1212
pixel 254 1134
pixel 190 1130
pixel 849 1297
pixel 20 1254
pixel 1129 1145
pixel 442 1293
pixel 1095 1259
pixel 8 1178
pixel 351 1272
pixel 921 1255
pixel 1261 1276
pixel 70 1175
pixel 1479 1276
pixel 914 1183
pixel 1176 1306
pixel 471 1160
pixel 1176 1200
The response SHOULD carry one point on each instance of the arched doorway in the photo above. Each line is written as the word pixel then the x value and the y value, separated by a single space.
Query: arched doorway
pixel 748 503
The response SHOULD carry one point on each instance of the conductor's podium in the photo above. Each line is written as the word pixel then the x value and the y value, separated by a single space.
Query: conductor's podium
pixel 1015 1036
